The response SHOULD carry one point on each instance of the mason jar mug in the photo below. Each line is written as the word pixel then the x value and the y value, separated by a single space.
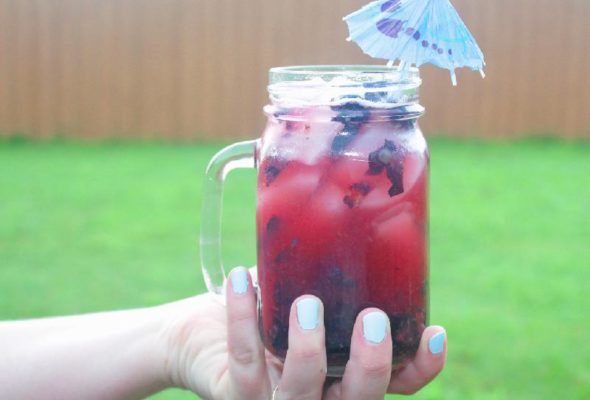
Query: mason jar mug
pixel 342 204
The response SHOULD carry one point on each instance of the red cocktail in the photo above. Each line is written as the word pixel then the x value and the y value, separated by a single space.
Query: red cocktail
pixel 342 212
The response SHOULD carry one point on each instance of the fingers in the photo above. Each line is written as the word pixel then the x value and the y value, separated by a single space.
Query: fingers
pixel 246 363
pixel 305 365
pixel 368 371
pixel 429 361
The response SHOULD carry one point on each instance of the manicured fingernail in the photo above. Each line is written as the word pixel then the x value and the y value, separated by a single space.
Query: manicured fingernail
pixel 239 280
pixel 308 313
pixel 436 344
pixel 375 326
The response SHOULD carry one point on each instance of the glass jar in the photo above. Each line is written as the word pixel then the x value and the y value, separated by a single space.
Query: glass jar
pixel 341 203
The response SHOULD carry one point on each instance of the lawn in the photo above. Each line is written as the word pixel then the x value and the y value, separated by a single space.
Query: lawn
pixel 88 227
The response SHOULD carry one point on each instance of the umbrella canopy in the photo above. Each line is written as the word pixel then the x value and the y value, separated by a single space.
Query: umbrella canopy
pixel 416 32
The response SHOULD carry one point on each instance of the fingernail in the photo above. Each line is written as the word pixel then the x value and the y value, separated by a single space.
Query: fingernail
pixel 375 326
pixel 239 280
pixel 436 344
pixel 308 313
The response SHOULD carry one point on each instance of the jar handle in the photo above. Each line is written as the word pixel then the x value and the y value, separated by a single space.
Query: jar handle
pixel 237 155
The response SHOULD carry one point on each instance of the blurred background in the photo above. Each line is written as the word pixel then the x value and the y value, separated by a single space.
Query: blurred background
pixel 110 110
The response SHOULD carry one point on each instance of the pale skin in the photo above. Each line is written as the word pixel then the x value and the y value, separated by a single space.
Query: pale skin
pixel 197 344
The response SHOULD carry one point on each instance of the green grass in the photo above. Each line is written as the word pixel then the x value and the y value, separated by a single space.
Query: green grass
pixel 108 226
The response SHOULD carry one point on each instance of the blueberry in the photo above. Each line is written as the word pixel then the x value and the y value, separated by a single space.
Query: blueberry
pixel 374 96
pixel 278 335
pixel 405 334
pixel 348 283
pixel 287 252
pixel 283 294
pixel 339 321
pixel 381 157
pixel 351 113
pixel 394 174
pixel 356 193
pixel 280 113
pixel 273 167
pixel 271 172
pixel 341 141
pixel 336 277
pixel 273 224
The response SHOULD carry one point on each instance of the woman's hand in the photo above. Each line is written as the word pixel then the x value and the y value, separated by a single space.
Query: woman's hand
pixel 216 351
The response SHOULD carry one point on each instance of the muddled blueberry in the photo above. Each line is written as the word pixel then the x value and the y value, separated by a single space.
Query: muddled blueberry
pixel 279 113
pixel 341 142
pixel 348 283
pixel 381 157
pixel 292 125
pixel 273 167
pixel 405 333
pixel 334 273
pixel 287 252
pixel 283 295
pixel 337 278
pixel 395 176
pixel 282 256
pixel 339 321
pixel 278 334
pixel 273 224
pixel 271 172
pixel 356 193
pixel 376 96
pixel 361 187
pixel 352 115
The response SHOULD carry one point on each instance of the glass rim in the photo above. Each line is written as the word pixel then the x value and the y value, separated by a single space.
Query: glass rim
pixel 362 72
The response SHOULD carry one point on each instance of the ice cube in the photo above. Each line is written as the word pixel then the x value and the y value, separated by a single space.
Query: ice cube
pixel 291 189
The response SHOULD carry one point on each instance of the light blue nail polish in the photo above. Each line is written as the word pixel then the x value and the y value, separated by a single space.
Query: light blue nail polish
pixel 375 326
pixel 308 313
pixel 436 344
pixel 239 280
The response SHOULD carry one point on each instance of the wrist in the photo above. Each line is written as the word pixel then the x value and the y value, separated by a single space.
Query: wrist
pixel 188 329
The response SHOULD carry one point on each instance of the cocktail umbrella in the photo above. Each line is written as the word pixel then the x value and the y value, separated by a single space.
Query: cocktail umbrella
pixel 415 32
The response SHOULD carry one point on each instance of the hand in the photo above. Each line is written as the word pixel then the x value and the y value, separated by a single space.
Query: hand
pixel 216 352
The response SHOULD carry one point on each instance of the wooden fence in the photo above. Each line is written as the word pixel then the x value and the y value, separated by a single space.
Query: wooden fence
pixel 188 69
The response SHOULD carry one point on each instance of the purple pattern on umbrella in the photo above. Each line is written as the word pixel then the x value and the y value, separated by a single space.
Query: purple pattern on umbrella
pixel 390 6
pixel 390 27
pixel 415 32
